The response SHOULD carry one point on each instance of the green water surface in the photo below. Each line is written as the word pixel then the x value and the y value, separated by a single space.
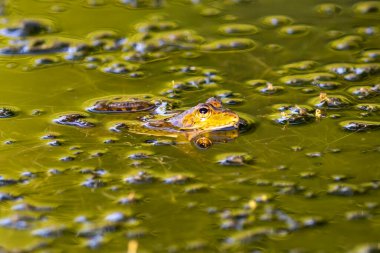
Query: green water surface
pixel 311 187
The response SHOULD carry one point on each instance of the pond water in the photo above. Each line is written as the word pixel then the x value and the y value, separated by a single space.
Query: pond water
pixel 302 176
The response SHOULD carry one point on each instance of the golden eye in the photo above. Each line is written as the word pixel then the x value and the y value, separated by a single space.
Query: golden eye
pixel 203 143
pixel 204 112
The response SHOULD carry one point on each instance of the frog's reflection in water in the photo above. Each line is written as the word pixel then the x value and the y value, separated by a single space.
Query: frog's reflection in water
pixel 206 140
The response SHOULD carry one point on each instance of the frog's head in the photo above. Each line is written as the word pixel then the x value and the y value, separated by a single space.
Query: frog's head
pixel 210 115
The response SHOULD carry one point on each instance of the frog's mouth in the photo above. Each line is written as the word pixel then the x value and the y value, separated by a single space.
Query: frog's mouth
pixel 226 126
pixel 246 123
pixel 232 122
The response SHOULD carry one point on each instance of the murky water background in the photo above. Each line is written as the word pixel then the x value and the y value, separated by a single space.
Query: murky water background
pixel 310 187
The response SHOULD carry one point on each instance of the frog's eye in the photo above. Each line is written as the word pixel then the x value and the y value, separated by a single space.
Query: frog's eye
pixel 204 112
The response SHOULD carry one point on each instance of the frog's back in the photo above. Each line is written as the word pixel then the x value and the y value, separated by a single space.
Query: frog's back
pixel 121 104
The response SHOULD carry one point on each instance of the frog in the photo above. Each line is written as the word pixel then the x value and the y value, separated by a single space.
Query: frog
pixel 117 105
pixel 209 119
pixel 207 116
pixel 131 104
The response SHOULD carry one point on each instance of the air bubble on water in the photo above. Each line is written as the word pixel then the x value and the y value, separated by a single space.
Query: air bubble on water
pixel 328 9
pixel 131 198
pixel 95 3
pixel 197 188
pixel 27 27
pixel 305 79
pixel 238 29
pixel 334 34
pixel 327 85
pixel 46 61
pixel 233 101
pixel 230 17
pixel 368 30
pixel 308 174
pixel 229 45
pixel 357 215
pixel 363 92
pixel 210 12
pixel 301 66
pixel 49 231
pixel 270 89
pixel 366 248
pixel 8 111
pixel 276 21
pixel 93 183
pixel 177 179
pixel 58 8
pixel 257 82
pixel 367 8
pixel 119 67
pixel 343 189
pixel 348 42
pixel 140 154
pixel 155 26
pixel 116 217
pixel 295 30
pixel 368 107
pixel 360 125
pixel 141 177
pixel 234 159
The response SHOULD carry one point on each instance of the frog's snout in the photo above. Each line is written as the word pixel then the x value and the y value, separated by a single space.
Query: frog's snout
pixel 235 120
